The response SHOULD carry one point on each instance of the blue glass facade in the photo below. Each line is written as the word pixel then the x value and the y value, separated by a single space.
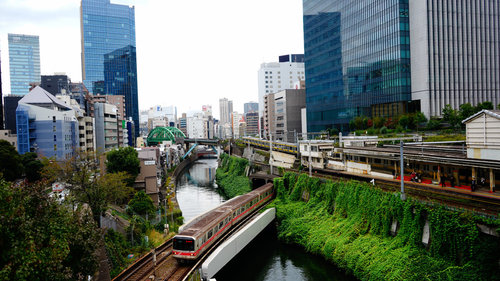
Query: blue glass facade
pixel 357 58
pixel 109 29
pixel 119 78
pixel 24 62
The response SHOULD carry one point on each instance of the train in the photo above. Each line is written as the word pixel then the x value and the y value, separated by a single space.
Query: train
pixel 197 235
pixel 277 145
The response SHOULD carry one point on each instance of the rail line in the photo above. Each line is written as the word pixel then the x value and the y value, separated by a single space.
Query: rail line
pixel 422 192
pixel 140 269
pixel 167 267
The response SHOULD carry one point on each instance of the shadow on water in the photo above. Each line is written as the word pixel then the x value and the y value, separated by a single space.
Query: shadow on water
pixel 266 259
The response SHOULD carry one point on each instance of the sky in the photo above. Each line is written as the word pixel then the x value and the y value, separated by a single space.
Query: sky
pixel 189 52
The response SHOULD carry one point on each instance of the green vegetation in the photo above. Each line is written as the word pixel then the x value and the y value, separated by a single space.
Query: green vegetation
pixel 142 204
pixel 42 239
pixel 405 123
pixel 231 177
pixel 124 159
pixel 349 224
pixel 13 165
pixel 88 185
pixel 10 166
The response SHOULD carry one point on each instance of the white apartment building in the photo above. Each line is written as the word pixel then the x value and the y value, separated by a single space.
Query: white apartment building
pixel 200 126
pixel 277 76
pixel 225 107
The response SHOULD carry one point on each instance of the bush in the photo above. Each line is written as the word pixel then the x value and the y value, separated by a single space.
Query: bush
pixel 434 124
pixel 383 130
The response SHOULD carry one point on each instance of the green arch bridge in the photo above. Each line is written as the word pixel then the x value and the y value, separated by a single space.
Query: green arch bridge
pixel 160 134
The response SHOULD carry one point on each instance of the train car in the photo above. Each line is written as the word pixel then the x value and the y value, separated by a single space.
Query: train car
pixel 196 236
pixel 277 145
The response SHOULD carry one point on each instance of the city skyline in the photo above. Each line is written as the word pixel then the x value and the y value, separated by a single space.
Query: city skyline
pixel 229 54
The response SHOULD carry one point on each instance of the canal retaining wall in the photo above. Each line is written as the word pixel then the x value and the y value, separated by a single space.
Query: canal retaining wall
pixel 376 236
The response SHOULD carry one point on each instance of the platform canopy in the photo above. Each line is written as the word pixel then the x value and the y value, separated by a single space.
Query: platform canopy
pixel 160 134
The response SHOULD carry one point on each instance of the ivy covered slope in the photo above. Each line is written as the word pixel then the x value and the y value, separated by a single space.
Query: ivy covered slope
pixel 349 224
pixel 231 177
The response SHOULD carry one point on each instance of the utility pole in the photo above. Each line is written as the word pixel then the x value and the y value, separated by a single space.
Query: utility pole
pixel 270 151
pixel 402 167
pixel 310 164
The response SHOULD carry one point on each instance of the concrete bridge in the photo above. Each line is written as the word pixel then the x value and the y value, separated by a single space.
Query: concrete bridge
pixel 231 247
pixel 191 144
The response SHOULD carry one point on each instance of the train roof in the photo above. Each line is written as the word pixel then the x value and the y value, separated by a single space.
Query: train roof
pixel 205 221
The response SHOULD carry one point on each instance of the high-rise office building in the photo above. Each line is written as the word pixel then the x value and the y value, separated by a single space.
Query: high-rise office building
pixel 226 108
pixel 250 107
pixel 24 62
pixel 278 76
pixel 109 64
pixel 357 56
pixel 455 49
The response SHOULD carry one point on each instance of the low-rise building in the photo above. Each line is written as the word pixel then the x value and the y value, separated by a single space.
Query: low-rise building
pixel 483 135
pixel 149 178
pixel 46 125
pixel 106 127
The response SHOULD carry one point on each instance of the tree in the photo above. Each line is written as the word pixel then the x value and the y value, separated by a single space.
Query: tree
pixel 378 122
pixel 484 105
pixel 420 119
pixel 42 239
pixel 404 121
pixel 124 159
pixel 142 204
pixel 89 186
pixel 10 165
pixel 32 166
pixel 467 110
pixel 451 116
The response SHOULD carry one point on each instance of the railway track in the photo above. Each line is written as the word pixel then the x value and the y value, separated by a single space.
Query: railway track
pixel 427 194
pixel 484 206
pixel 167 267
pixel 142 268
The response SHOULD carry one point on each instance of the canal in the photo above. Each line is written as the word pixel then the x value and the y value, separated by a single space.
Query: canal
pixel 265 258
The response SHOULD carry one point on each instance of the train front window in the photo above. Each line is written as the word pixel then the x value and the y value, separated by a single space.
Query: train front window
pixel 184 244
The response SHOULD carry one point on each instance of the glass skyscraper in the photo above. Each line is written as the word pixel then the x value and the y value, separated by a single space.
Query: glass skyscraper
pixel 357 60
pixel 108 42
pixel 24 62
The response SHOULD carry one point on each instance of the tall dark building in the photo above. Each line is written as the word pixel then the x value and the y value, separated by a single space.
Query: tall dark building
pixel 108 37
pixel 1 95
pixel 10 105
pixel 357 59
pixel 55 84
pixel 119 79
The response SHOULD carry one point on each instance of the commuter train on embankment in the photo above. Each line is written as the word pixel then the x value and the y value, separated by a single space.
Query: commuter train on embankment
pixel 197 235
